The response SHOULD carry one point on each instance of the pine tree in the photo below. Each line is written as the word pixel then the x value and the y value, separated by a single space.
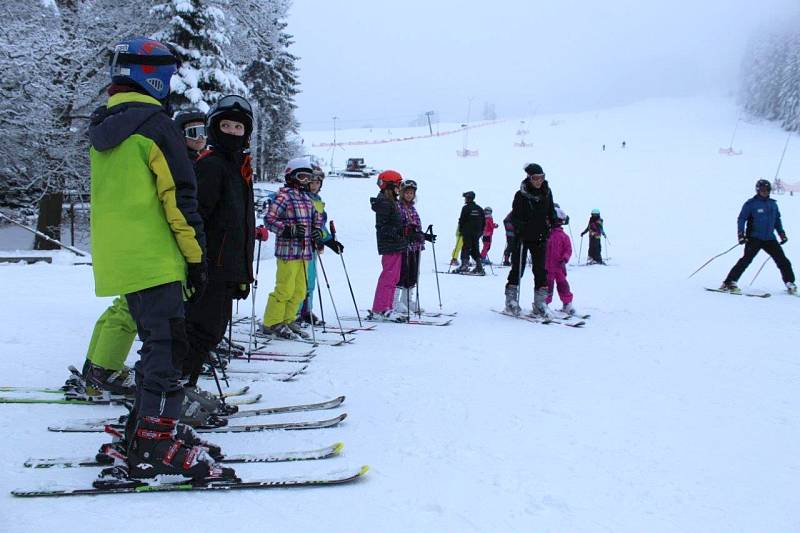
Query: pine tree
pixel 271 75
pixel 197 30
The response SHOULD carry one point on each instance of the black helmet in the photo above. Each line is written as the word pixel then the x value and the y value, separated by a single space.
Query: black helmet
pixel 469 195
pixel 231 107
pixel 408 184
pixel 763 185
pixel 186 116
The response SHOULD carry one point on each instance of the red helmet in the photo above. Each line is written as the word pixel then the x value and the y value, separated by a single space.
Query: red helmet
pixel 389 178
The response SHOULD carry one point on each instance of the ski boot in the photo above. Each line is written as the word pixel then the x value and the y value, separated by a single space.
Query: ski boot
pixel 400 302
pixel 279 331
pixel 298 330
pixel 791 287
pixel 478 270
pixel 454 262
pixel 386 316
pixel 415 308
pixel 119 382
pixel 463 268
pixel 209 401
pixel 540 309
pixel 512 300
pixel 568 309
pixel 506 261
pixel 155 450
pixel 730 286
pixel 311 318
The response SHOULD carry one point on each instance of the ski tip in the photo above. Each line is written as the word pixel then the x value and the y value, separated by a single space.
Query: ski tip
pixel 363 470
pixel 341 398
pixel 337 448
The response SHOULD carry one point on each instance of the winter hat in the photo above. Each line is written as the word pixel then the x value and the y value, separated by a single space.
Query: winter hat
pixel 469 195
pixel 595 211
pixel 562 217
pixel 533 168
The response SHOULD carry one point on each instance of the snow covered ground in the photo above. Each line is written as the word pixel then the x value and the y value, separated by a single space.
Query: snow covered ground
pixel 674 409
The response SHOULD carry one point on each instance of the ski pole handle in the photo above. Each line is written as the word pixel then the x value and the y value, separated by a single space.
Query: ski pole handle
pixel 332 227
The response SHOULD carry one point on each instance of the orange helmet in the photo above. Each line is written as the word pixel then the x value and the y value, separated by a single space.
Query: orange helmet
pixel 389 178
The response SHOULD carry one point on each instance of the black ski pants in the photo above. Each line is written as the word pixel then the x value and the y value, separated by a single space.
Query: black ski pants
pixel 595 249
pixel 751 248
pixel 206 320
pixel 159 316
pixel 519 255
pixel 409 269
pixel 470 248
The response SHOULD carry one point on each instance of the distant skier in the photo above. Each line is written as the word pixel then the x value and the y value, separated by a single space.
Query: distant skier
pixel 533 214
pixel 604 147
pixel 488 230
pixel 623 145
pixel 508 225
pixel 405 298
pixel 559 250
pixel 595 230
pixel 758 221
pixel 392 242
pixel 470 225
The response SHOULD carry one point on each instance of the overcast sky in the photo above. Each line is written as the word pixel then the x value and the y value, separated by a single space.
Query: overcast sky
pixel 375 62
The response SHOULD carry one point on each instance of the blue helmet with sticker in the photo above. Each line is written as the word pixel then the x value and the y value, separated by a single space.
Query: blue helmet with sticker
pixel 144 62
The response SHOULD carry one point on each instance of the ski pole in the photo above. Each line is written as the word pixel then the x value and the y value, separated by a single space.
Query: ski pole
pixel 707 262
pixel 305 277
pixel 251 341
pixel 407 262
pixel 416 285
pixel 571 238
pixel 759 270
pixel 435 267
pixel 608 247
pixel 45 237
pixel 330 294
pixel 341 256
pixel 321 307
pixel 579 250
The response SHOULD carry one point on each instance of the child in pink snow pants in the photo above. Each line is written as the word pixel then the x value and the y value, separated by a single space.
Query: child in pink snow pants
pixel 559 250
pixel 392 242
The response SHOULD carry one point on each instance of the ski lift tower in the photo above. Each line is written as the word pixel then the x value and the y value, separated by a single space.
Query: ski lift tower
pixel 334 147
pixel 466 152
pixel 430 127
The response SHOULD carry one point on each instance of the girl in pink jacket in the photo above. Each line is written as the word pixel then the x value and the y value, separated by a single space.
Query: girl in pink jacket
pixel 559 250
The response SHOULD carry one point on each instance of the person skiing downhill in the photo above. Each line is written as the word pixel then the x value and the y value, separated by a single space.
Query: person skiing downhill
pixel 226 204
pixel 559 250
pixel 595 230
pixel 392 243
pixel 298 226
pixel 757 224
pixel 532 214
pixel 143 187
pixel 405 299
pixel 488 231
pixel 470 225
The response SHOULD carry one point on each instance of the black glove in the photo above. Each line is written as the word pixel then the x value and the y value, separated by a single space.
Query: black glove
pixel 316 235
pixel 294 231
pixel 334 245
pixel 783 237
pixel 241 291
pixel 430 237
pixel 742 238
pixel 196 281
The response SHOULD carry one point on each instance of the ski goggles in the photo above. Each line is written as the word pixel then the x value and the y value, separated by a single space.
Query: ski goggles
pixel 195 132
pixel 305 176
pixel 232 102
pixel 536 177
pixel 408 184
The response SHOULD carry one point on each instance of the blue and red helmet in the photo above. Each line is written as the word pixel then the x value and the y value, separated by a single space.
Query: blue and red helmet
pixel 144 62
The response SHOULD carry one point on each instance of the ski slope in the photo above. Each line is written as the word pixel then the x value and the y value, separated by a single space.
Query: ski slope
pixel 674 409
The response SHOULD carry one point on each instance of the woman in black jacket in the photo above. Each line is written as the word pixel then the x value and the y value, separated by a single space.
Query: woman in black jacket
pixel 532 214
pixel 392 242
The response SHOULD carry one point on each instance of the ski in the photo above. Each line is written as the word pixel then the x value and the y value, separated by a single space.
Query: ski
pixel 535 320
pixel 246 428
pixel 307 354
pixel 297 371
pixel 275 457
pixel 331 478
pixel 276 358
pixel 403 319
pixel 753 294
pixel 476 274
pixel 244 400
pixel 564 316
pixel 31 390
pixel 313 342
pixel 437 314
pixel 5 399
pixel 249 374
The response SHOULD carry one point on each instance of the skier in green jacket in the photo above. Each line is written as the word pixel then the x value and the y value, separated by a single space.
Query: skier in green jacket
pixel 148 247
